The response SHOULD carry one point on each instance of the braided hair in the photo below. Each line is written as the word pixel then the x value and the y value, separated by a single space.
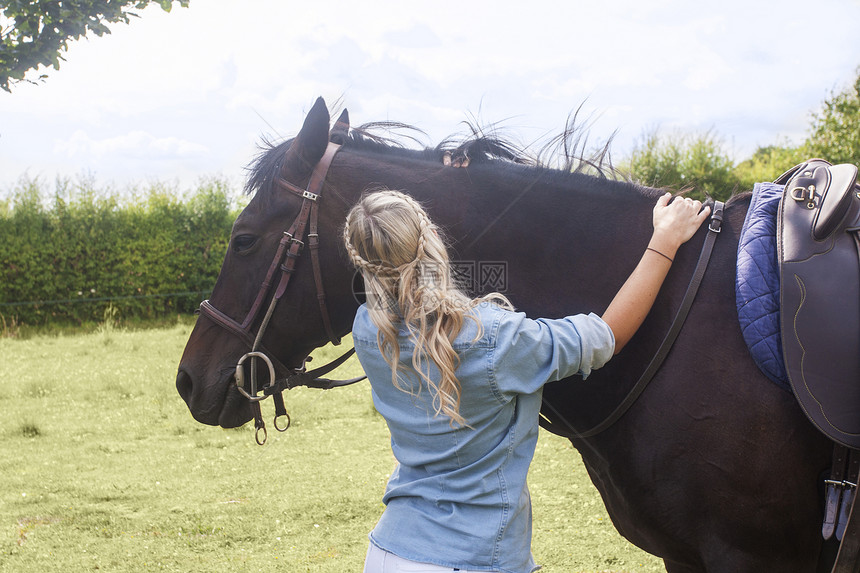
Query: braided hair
pixel 407 279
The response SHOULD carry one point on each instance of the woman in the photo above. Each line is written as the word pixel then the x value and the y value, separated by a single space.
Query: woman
pixel 459 382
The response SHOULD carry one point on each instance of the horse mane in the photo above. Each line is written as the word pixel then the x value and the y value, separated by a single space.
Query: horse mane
pixel 566 152
pixel 562 155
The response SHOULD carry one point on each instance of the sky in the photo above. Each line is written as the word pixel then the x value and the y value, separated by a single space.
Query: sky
pixel 183 96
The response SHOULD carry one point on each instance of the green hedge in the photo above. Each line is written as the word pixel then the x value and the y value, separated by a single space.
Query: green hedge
pixel 147 254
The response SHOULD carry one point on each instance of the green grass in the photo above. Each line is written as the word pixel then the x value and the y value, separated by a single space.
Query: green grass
pixel 103 469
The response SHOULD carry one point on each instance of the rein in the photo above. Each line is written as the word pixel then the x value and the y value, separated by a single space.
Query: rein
pixel 290 248
pixel 714 227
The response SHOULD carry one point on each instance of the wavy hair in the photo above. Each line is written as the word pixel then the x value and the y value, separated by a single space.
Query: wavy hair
pixel 407 279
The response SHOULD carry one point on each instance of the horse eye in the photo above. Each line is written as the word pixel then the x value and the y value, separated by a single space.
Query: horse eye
pixel 243 242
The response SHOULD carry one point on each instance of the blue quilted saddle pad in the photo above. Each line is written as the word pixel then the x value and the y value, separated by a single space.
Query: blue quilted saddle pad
pixel 757 283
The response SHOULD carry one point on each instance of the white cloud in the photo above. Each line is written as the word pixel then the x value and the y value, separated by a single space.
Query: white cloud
pixel 139 144
pixel 184 94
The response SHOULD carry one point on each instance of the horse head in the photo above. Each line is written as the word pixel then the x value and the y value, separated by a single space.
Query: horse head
pixel 269 297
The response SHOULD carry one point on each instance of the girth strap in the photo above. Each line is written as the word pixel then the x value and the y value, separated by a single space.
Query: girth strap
pixel 833 490
pixel 848 558
pixel 849 485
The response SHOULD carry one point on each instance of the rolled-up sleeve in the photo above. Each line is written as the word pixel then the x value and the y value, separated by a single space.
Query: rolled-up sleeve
pixel 529 353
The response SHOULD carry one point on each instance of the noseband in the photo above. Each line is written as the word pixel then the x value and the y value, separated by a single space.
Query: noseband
pixel 289 250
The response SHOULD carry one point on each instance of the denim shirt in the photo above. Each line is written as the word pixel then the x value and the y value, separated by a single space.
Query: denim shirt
pixel 458 496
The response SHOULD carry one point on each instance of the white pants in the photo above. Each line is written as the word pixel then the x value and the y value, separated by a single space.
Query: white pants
pixel 381 561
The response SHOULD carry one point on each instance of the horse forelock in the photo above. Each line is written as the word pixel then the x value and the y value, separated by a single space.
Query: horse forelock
pixel 266 166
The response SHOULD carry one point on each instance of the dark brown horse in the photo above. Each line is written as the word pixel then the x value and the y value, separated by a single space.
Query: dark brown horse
pixel 713 468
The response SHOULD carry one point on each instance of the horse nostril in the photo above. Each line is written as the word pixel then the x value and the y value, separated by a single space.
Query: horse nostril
pixel 184 385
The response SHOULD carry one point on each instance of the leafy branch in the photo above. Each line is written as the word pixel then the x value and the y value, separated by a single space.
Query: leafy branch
pixel 35 33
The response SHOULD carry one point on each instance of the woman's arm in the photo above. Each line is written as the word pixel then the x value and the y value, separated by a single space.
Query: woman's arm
pixel 674 224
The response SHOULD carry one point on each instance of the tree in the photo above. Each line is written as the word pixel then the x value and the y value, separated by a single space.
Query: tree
pixel 696 162
pixel 34 33
pixel 769 162
pixel 835 130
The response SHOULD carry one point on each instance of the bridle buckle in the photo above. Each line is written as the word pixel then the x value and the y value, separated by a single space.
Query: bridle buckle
pixel 292 240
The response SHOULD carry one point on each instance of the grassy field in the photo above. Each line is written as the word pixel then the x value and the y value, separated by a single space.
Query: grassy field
pixel 103 469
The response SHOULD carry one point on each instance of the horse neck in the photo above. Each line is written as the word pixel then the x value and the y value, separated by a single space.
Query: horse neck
pixel 544 225
pixel 574 229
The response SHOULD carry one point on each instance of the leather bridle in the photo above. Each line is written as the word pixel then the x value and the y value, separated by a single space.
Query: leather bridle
pixel 290 248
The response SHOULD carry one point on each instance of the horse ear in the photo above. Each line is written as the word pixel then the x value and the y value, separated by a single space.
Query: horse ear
pixel 340 131
pixel 310 144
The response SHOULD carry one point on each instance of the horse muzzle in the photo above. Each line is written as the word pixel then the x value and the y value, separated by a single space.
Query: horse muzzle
pixel 218 404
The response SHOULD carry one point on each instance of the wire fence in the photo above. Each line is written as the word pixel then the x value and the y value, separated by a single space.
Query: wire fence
pixel 78 300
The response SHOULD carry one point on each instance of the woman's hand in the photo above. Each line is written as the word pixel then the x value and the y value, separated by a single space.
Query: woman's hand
pixel 675 223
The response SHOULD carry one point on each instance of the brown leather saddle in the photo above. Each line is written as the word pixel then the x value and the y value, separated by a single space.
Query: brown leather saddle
pixel 818 244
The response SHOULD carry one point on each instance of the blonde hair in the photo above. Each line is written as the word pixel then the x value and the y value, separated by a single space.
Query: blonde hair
pixel 407 281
